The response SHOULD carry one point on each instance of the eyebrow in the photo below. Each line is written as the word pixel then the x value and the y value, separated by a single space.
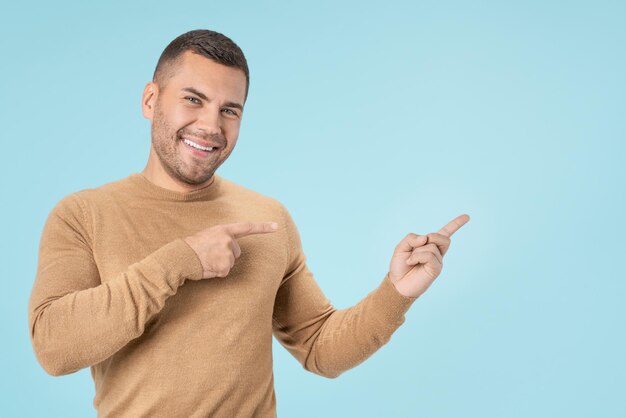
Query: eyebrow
pixel 204 97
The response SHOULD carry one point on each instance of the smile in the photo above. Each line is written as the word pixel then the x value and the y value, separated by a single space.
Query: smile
pixel 197 146
pixel 197 150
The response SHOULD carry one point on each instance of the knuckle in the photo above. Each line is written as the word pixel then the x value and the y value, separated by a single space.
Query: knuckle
pixel 223 266
pixel 439 237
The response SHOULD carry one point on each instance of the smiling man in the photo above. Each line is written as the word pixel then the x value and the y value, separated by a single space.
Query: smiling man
pixel 196 106
pixel 170 283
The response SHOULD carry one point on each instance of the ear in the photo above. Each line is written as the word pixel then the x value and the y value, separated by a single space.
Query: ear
pixel 150 95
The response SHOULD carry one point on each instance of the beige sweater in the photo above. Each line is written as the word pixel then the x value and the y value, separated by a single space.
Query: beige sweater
pixel 111 293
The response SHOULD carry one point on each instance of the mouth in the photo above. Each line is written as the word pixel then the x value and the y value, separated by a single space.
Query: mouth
pixel 198 148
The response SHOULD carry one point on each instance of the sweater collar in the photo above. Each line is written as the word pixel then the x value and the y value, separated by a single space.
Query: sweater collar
pixel 208 192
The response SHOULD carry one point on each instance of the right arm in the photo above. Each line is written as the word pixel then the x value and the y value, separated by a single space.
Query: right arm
pixel 77 321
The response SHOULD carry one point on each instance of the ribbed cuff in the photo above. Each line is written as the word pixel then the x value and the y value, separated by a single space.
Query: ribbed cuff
pixel 391 303
pixel 178 261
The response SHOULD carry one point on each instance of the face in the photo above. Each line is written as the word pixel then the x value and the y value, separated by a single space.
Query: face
pixel 202 102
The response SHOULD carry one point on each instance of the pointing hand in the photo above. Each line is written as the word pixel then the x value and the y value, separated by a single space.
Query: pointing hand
pixel 418 259
pixel 217 246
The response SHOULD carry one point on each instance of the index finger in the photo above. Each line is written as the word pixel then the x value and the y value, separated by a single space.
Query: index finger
pixel 241 229
pixel 454 225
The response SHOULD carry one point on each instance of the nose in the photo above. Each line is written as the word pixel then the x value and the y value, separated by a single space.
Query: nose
pixel 210 121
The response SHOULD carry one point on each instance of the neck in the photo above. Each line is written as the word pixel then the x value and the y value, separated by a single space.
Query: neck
pixel 157 175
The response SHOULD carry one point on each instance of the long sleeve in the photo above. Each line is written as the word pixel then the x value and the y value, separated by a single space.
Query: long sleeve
pixel 325 340
pixel 76 319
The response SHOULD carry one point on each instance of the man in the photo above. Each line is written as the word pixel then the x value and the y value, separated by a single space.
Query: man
pixel 170 283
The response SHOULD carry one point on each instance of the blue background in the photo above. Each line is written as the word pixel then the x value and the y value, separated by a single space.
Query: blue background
pixel 368 121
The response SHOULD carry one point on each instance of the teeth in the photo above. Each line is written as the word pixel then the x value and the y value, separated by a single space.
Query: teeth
pixel 198 146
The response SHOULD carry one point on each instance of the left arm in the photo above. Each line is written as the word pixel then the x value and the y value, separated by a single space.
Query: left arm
pixel 325 340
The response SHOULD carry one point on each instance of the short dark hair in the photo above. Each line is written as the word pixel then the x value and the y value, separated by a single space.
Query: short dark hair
pixel 210 44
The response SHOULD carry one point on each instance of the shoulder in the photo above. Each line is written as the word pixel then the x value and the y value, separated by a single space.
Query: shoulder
pixel 89 198
pixel 237 192
pixel 70 206
pixel 262 205
pixel 77 205
pixel 104 192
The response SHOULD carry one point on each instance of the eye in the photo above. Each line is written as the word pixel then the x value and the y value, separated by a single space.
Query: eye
pixel 231 112
pixel 193 98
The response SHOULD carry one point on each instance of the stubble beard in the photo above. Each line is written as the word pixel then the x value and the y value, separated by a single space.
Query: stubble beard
pixel 165 142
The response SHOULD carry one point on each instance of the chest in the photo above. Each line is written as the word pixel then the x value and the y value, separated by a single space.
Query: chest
pixel 127 233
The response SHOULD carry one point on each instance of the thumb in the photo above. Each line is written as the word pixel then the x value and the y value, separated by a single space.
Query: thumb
pixel 416 241
pixel 421 240
pixel 410 242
